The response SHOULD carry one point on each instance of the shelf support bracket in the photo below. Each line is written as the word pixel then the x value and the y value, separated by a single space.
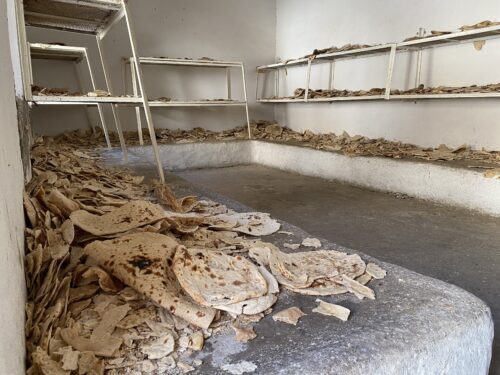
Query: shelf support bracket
pixel 109 88
pixel 308 80
pixel 390 70
pixel 246 101
pixel 228 83
pixel 136 94
pixel 419 60
pixel 332 75
pixel 145 100
pixel 99 106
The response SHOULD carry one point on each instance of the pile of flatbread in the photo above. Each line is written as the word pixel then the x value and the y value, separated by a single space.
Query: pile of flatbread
pixel 320 273
pixel 119 284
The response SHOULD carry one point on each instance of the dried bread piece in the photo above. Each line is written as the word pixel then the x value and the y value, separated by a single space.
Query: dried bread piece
pixel 104 346
pixel 46 364
pixel 214 278
pixel 300 270
pixel 291 246
pixel 323 287
pixel 375 271
pixel 361 291
pixel 252 223
pixel 331 309
pixel 167 197
pixel 243 334
pixel 364 278
pixel 311 242
pixel 129 216
pixel 142 261
pixel 290 315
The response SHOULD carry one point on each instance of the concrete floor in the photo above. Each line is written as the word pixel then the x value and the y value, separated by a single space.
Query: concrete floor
pixel 454 245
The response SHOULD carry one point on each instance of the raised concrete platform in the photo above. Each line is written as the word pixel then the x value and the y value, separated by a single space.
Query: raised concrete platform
pixel 417 325
pixel 460 187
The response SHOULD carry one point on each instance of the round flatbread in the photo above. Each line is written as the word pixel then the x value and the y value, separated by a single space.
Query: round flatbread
pixel 300 270
pixel 214 278
pixel 129 216
pixel 143 261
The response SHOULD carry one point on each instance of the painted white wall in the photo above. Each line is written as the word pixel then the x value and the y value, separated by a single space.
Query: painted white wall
pixel 236 30
pixel 12 284
pixel 302 27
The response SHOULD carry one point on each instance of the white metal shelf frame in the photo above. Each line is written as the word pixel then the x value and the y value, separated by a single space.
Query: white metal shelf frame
pixel 206 63
pixel 93 17
pixel 41 51
pixel 392 49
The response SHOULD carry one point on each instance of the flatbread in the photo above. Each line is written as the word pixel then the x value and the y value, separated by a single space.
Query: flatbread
pixel 256 305
pixel 214 278
pixel 251 223
pixel 300 270
pixel 129 216
pixel 142 261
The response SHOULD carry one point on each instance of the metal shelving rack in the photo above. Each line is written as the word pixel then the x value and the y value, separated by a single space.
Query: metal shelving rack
pixel 392 49
pixel 91 17
pixel 164 61
pixel 77 55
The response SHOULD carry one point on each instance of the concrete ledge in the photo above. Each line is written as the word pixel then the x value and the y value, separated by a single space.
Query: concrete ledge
pixel 417 325
pixel 438 183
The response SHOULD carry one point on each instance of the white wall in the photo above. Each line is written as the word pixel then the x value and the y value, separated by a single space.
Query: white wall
pixel 236 30
pixel 12 284
pixel 302 26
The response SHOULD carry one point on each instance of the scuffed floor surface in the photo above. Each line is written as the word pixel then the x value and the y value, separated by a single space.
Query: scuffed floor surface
pixel 453 245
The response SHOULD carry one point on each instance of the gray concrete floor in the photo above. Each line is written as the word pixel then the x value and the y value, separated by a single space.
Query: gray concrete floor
pixel 450 244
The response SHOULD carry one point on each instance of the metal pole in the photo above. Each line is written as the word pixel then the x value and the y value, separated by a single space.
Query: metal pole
pixel 147 110
pixel 24 51
pixel 228 83
pixel 99 106
pixel 110 90
pixel 419 60
pixel 246 101
pixel 390 69
pixel 332 75
pixel 136 94
pixel 308 81
pixel 257 85
pixel 277 83
pixel 81 88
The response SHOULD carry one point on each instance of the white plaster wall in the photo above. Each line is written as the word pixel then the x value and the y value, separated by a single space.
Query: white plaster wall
pixel 236 30
pixel 12 285
pixel 303 26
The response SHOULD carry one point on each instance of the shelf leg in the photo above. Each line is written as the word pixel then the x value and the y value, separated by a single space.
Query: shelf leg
pixel 332 75
pixel 390 69
pixel 136 94
pixel 109 88
pixel 257 86
pixel 277 83
pixel 147 110
pixel 99 106
pixel 24 51
pixel 308 81
pixel 246 101
pixel 419 60
pixel 82 89
pixel 228 83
